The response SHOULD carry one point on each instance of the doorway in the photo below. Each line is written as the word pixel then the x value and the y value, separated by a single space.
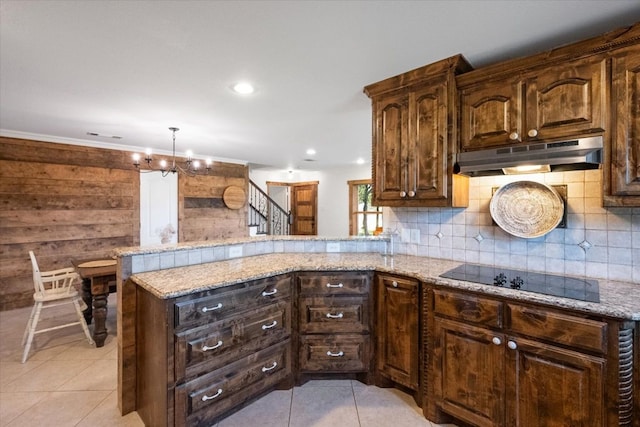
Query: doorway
pixel 301 199
pixel 158 208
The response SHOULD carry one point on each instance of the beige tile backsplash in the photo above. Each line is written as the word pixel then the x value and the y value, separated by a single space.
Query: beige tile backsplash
pixel 598 242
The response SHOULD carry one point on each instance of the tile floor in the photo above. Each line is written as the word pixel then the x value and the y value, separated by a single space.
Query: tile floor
pixel 67 382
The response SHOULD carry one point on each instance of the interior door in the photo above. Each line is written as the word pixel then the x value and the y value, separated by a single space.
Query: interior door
pixel 158 208
pixel 304 208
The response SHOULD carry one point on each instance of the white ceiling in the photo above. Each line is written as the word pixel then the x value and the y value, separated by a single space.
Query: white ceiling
pixel 134 68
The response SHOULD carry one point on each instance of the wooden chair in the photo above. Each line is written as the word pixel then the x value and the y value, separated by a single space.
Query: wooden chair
pixel 52 288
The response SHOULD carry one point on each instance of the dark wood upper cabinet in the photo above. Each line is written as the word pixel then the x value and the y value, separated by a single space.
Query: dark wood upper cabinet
pixel 565 100
pixel 414 137
pixel 622 174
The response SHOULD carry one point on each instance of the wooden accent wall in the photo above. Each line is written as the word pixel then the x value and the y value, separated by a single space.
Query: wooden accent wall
pixel 202 215
pixel 66 201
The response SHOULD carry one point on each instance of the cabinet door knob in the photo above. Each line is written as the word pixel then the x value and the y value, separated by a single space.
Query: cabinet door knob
pixel 514 136
pixel 496 340
pixel 205 397
pixel 532 133
pixel 403 194
pixel 512 345
pixel 412 193
pixel 338 354
pixel 394 284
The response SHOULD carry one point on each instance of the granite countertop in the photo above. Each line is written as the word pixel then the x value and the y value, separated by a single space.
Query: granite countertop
pixel 617 299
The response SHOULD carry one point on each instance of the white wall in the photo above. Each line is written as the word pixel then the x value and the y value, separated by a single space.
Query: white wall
pixel 333 193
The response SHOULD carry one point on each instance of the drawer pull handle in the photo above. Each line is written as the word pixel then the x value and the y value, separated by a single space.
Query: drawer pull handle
pixel 272 367
pixel 217 307
pixel 338 354
pixel 269 326
pixel 205 397
pixel 339 285
pixel 206 348
pixel 335 316
pixel 268 294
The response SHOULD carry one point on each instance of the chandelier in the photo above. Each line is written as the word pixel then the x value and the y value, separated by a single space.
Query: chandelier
pixel 191 167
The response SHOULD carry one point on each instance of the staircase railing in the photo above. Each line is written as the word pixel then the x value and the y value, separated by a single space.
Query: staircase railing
pixel 266 214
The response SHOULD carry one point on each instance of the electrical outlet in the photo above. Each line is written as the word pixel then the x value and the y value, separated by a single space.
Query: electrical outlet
pixel 333 246
pixel 235 251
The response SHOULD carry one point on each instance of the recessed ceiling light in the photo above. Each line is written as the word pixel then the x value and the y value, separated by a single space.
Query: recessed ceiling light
pixel 311 152
pixel 360 161
pixel 243 88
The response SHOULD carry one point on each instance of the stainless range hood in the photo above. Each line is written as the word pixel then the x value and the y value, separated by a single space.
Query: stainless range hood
pixel 574 154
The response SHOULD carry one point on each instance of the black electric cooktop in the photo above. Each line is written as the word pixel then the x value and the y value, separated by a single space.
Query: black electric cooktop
pixel 549 284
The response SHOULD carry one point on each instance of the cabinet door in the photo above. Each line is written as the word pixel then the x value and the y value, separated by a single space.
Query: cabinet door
pixel 567 100
pixel 428 143
pixel 625 144
pixel 550 386
pixel 471 362
pixel 390 149
pixel 490 114
pixel 398 353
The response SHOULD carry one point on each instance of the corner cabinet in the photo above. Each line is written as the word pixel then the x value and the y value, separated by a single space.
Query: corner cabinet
pixel 397 331
pixel 502 363
pixel 622 174
pixel 414 137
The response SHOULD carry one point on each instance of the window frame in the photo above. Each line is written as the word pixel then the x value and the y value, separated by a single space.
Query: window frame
pixel 353 206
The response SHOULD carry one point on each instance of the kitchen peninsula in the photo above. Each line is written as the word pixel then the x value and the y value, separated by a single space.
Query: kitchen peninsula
pixel 181 316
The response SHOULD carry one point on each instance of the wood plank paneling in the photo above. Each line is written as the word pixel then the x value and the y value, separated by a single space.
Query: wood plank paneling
pixel 66 201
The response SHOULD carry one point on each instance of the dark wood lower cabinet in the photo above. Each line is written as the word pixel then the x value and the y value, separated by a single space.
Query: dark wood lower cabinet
pixel 486 361
pixel 496 362
pixel 398 327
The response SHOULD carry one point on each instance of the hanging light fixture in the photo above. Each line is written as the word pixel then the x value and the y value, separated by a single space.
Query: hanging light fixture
pixel 190 168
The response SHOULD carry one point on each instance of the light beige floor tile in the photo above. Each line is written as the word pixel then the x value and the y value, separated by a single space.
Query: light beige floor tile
pixel 60 409
pixel 49 376
pixel 10 371
pixel 379 407
pixel 82 350
pixel 14 404
pixel 327 383
pixel 108 415
pixel 271 410
pixel 98 375
pixel 323 407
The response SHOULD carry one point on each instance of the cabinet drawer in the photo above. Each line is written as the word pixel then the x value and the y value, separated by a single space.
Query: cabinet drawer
pixel 558 328
pixel 469 308
pixel 202 400
pixel 334 314
pixel 332 284
pixel 219 304
pixel 212 346
pixel 343 353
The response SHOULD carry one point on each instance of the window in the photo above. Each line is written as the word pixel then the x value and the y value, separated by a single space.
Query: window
pixel 364 219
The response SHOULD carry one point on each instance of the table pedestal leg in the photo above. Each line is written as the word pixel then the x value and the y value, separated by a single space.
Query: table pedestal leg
pixel 86 297
pixel 100 291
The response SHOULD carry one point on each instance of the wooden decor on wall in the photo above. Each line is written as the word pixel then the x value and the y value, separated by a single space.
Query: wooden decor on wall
pixel 234 197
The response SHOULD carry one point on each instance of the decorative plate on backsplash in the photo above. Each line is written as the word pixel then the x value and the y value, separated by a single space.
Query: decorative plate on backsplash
pixel 527 209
